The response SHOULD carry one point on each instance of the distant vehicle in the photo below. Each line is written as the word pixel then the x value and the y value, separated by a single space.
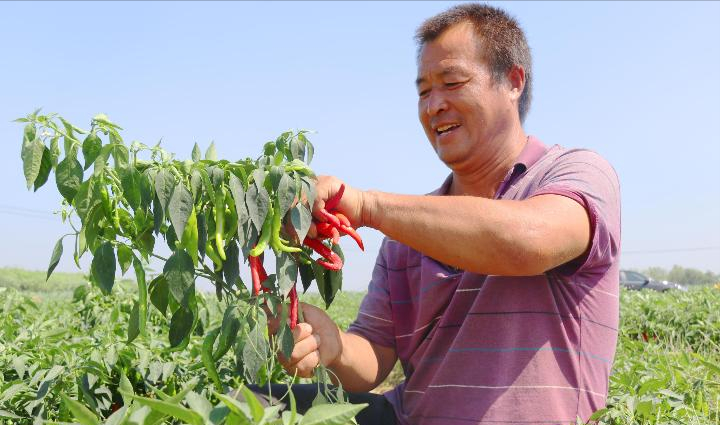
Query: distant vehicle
pixel 634 280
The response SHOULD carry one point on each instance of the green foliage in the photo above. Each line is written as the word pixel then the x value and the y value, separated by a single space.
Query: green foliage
pixel 64 362
pixel 684 276
pixel 211 213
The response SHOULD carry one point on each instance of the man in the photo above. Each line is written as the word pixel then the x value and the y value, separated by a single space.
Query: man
pixel 498 293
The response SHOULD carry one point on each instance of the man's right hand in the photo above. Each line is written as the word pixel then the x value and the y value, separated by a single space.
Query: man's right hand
pixel 317 340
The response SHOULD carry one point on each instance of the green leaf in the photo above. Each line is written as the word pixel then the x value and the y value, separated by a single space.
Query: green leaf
pixel 124 256
pixel 231 266
pixel 237 407
pixel 301 218
pixel 45 167
pixel 134 324
pixel 195 184
pixel 308 188
pixel 286 193
pixel 68 177
pixel 180 207
pixel 238 194
pixel 55 258
pixel 331 414
pixel 256 409
pixel 256 349
pixel 308 147
pixel 126 388
pixel 171 409
pixel 159 293
pixel 101 160
pixel 297 149
pixel 179 273
pixel 31 154
pixel 81 413
pixel 322 281
pixel 307 275
pixel 132 186
pixel 119 152
pixel 103 267
pixel 257 200
pixel 91 149
pixel 286 272
pixel 287 342
pixel 210 153
pixel 228 331
pixel 164 185
pixel 181 325
pixel 196 154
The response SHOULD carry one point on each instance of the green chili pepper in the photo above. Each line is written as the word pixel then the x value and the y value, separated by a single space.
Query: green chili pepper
pixel 220 223
pixel 207 358
pixel 265 235
pixel 213 255
pixel 276 242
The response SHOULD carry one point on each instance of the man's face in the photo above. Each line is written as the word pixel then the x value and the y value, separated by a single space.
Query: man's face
pixel 461 108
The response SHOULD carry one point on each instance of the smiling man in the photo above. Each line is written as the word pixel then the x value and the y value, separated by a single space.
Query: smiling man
pixel 498 292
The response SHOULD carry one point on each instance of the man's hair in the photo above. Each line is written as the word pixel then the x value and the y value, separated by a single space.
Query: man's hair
pixel 501 41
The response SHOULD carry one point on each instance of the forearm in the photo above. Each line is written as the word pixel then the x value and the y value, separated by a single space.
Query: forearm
pixel 472 233
pixel 361 366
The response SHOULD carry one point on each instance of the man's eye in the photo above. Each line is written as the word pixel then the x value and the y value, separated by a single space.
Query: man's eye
pixel 450 85
pixel 423 93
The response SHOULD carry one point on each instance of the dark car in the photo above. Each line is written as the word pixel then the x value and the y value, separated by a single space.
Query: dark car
pixel 635 280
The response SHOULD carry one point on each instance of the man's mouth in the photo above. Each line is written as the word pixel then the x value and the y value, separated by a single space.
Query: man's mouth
pixel 446 128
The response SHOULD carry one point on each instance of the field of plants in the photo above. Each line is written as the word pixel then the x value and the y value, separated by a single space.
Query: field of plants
pixel 156 349
pixel 65 359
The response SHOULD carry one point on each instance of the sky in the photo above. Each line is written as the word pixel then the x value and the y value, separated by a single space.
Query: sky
pixel 638 83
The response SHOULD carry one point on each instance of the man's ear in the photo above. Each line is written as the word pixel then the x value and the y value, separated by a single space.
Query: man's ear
pixel 516 80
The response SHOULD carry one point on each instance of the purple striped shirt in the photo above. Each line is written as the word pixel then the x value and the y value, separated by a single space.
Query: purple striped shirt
pixel 499 349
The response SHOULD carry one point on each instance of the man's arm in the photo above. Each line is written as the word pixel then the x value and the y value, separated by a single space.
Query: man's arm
pixel 482 235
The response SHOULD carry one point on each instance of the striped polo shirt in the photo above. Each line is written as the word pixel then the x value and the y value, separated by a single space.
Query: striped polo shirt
pixel 486 349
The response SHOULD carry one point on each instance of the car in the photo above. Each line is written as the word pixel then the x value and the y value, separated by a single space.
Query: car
pixel 636 280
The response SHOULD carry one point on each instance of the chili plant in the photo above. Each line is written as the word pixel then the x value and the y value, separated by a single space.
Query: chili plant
pixel 214 215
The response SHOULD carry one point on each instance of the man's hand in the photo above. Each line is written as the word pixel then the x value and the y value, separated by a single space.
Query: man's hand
pixel 317 340
pixel 351 203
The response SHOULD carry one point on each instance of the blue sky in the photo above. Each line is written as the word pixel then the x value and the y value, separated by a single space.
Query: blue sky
pixel 637 82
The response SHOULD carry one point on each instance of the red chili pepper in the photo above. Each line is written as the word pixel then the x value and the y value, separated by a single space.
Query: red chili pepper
pixel 293 307
pixel 333 202
pixel 330 260
pixel 343 219
pixel 330 218
pixel 353 234
pixel 255 267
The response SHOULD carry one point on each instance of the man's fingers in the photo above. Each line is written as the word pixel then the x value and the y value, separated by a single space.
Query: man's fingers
pixel 304 348
pixel 306 366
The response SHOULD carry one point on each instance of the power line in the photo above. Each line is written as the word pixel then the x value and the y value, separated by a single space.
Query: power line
pixel 652 251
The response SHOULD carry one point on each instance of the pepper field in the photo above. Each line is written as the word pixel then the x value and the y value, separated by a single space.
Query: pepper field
pixel 64 359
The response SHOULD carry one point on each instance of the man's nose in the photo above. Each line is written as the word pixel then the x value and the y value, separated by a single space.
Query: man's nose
pixel 435 104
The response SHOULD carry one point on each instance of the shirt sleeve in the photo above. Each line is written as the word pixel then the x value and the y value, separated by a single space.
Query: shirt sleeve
pixel 374 320
pixel 587 178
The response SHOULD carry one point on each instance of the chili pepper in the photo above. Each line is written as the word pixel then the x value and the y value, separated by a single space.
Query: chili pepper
pixel 213 255
pixel 343 219
pixel 116 217
pixel 330 218
pixel 330 260
pixel 276 243
pixel 333 202
pixel 206 356
pixel 220 223
pixel 328 231
pixel 255 274
pixel 293 307
pixel 353 234
pixel 265 235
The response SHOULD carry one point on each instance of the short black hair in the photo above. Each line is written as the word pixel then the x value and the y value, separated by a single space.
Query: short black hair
pixel 502 41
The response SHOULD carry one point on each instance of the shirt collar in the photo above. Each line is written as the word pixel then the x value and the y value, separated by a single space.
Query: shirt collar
pixel 532 152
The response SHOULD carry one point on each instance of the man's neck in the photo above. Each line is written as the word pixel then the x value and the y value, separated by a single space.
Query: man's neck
pixel 485 178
